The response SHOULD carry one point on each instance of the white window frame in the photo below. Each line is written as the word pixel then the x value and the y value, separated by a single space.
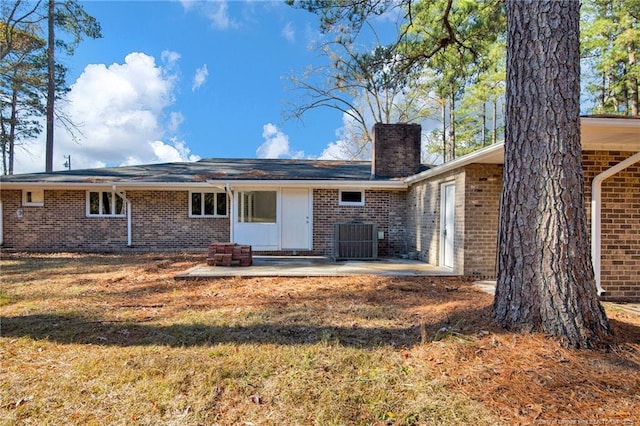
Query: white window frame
pixel 215 205
pixel 114 194
pixel 351 203
pixel 25 196
pixel 245 203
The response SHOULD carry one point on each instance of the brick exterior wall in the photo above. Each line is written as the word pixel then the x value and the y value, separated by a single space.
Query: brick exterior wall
pixel 620 238
pixel 160 222
pixel 483 186
pixel 396 150
pixel 384 208
pixel 482 183
pixel 423 218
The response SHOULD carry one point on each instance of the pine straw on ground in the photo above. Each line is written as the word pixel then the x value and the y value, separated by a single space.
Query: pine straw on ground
pixel 106 339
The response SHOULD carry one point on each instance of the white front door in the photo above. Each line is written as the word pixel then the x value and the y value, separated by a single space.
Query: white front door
pixel 255 220
pixel 447 224
pixel 296 219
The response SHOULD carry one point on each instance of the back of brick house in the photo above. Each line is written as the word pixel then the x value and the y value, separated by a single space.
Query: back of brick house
pixel 399 195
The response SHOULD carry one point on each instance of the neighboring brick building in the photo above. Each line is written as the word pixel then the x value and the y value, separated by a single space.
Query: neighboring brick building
pixel 445 215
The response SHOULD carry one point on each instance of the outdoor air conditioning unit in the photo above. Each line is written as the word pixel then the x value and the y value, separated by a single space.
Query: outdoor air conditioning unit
pixel 355 240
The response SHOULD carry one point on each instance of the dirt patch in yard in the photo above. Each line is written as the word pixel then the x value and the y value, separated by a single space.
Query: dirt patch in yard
pixel 409 335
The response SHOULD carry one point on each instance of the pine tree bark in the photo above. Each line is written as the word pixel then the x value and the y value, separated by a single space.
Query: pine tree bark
pixel 545 275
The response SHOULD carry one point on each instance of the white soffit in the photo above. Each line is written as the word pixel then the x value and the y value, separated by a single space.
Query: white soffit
pixel 610 134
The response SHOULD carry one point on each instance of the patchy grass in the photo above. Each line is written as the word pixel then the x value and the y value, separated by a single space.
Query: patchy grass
pixel 99 339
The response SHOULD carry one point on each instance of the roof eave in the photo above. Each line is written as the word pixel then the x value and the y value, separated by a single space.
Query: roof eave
pixel 478 156
pixel 253 183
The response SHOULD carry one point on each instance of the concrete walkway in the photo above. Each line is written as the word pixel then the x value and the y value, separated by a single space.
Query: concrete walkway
pixel 316 266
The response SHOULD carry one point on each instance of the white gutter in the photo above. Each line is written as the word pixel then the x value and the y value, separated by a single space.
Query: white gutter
pixel 596 214
pixel 124 185
pixel 330 184
pixel 399 184
pixel 124 197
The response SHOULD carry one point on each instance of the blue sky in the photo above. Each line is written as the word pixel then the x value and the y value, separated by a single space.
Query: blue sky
pixel 183 80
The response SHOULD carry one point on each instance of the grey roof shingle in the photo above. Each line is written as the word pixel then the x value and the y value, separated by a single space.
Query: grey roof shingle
pixel 206 170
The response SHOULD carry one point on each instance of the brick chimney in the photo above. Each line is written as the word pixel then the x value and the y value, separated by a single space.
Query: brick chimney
pixel 396 150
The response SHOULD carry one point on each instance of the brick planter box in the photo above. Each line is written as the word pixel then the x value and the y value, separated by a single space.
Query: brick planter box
pixel 229 254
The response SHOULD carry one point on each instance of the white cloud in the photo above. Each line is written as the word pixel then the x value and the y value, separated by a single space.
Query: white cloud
pixel 349 145
pixel 218 13
pixel 335 151
pixel 188 4
pixel 169 57
pixel 289 33
pixel 175 120
pixel 200 77
pixel 176 151
pixel 276 144
pixel 121 111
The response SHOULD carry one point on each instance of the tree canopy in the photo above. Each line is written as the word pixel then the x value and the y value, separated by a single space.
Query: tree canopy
pixel 449 58
pixel 30 78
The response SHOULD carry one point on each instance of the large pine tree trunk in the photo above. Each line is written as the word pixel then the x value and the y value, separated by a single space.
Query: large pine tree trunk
pixel 545 276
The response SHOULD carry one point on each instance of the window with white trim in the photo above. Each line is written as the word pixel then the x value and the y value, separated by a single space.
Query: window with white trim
pixel 33 197
pixel 257 207
pixel 207 204
pixel 105 204
pixel 351 198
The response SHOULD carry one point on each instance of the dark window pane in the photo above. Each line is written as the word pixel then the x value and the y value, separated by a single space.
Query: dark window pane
pixel 119 205
pixel 209 204
pixel 221 204
pixel 196 204
pixel 106 203
pixel 351 197
pixel 94 203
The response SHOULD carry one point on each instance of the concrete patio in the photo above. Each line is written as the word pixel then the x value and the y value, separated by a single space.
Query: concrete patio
pixel 316 266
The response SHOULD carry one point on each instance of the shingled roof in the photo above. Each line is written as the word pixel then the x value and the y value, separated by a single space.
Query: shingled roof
pixel 211 169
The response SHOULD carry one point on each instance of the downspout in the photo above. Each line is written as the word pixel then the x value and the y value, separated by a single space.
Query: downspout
pixel 227 190
pixel 596 214
pixel 229 193
pixel 124 197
